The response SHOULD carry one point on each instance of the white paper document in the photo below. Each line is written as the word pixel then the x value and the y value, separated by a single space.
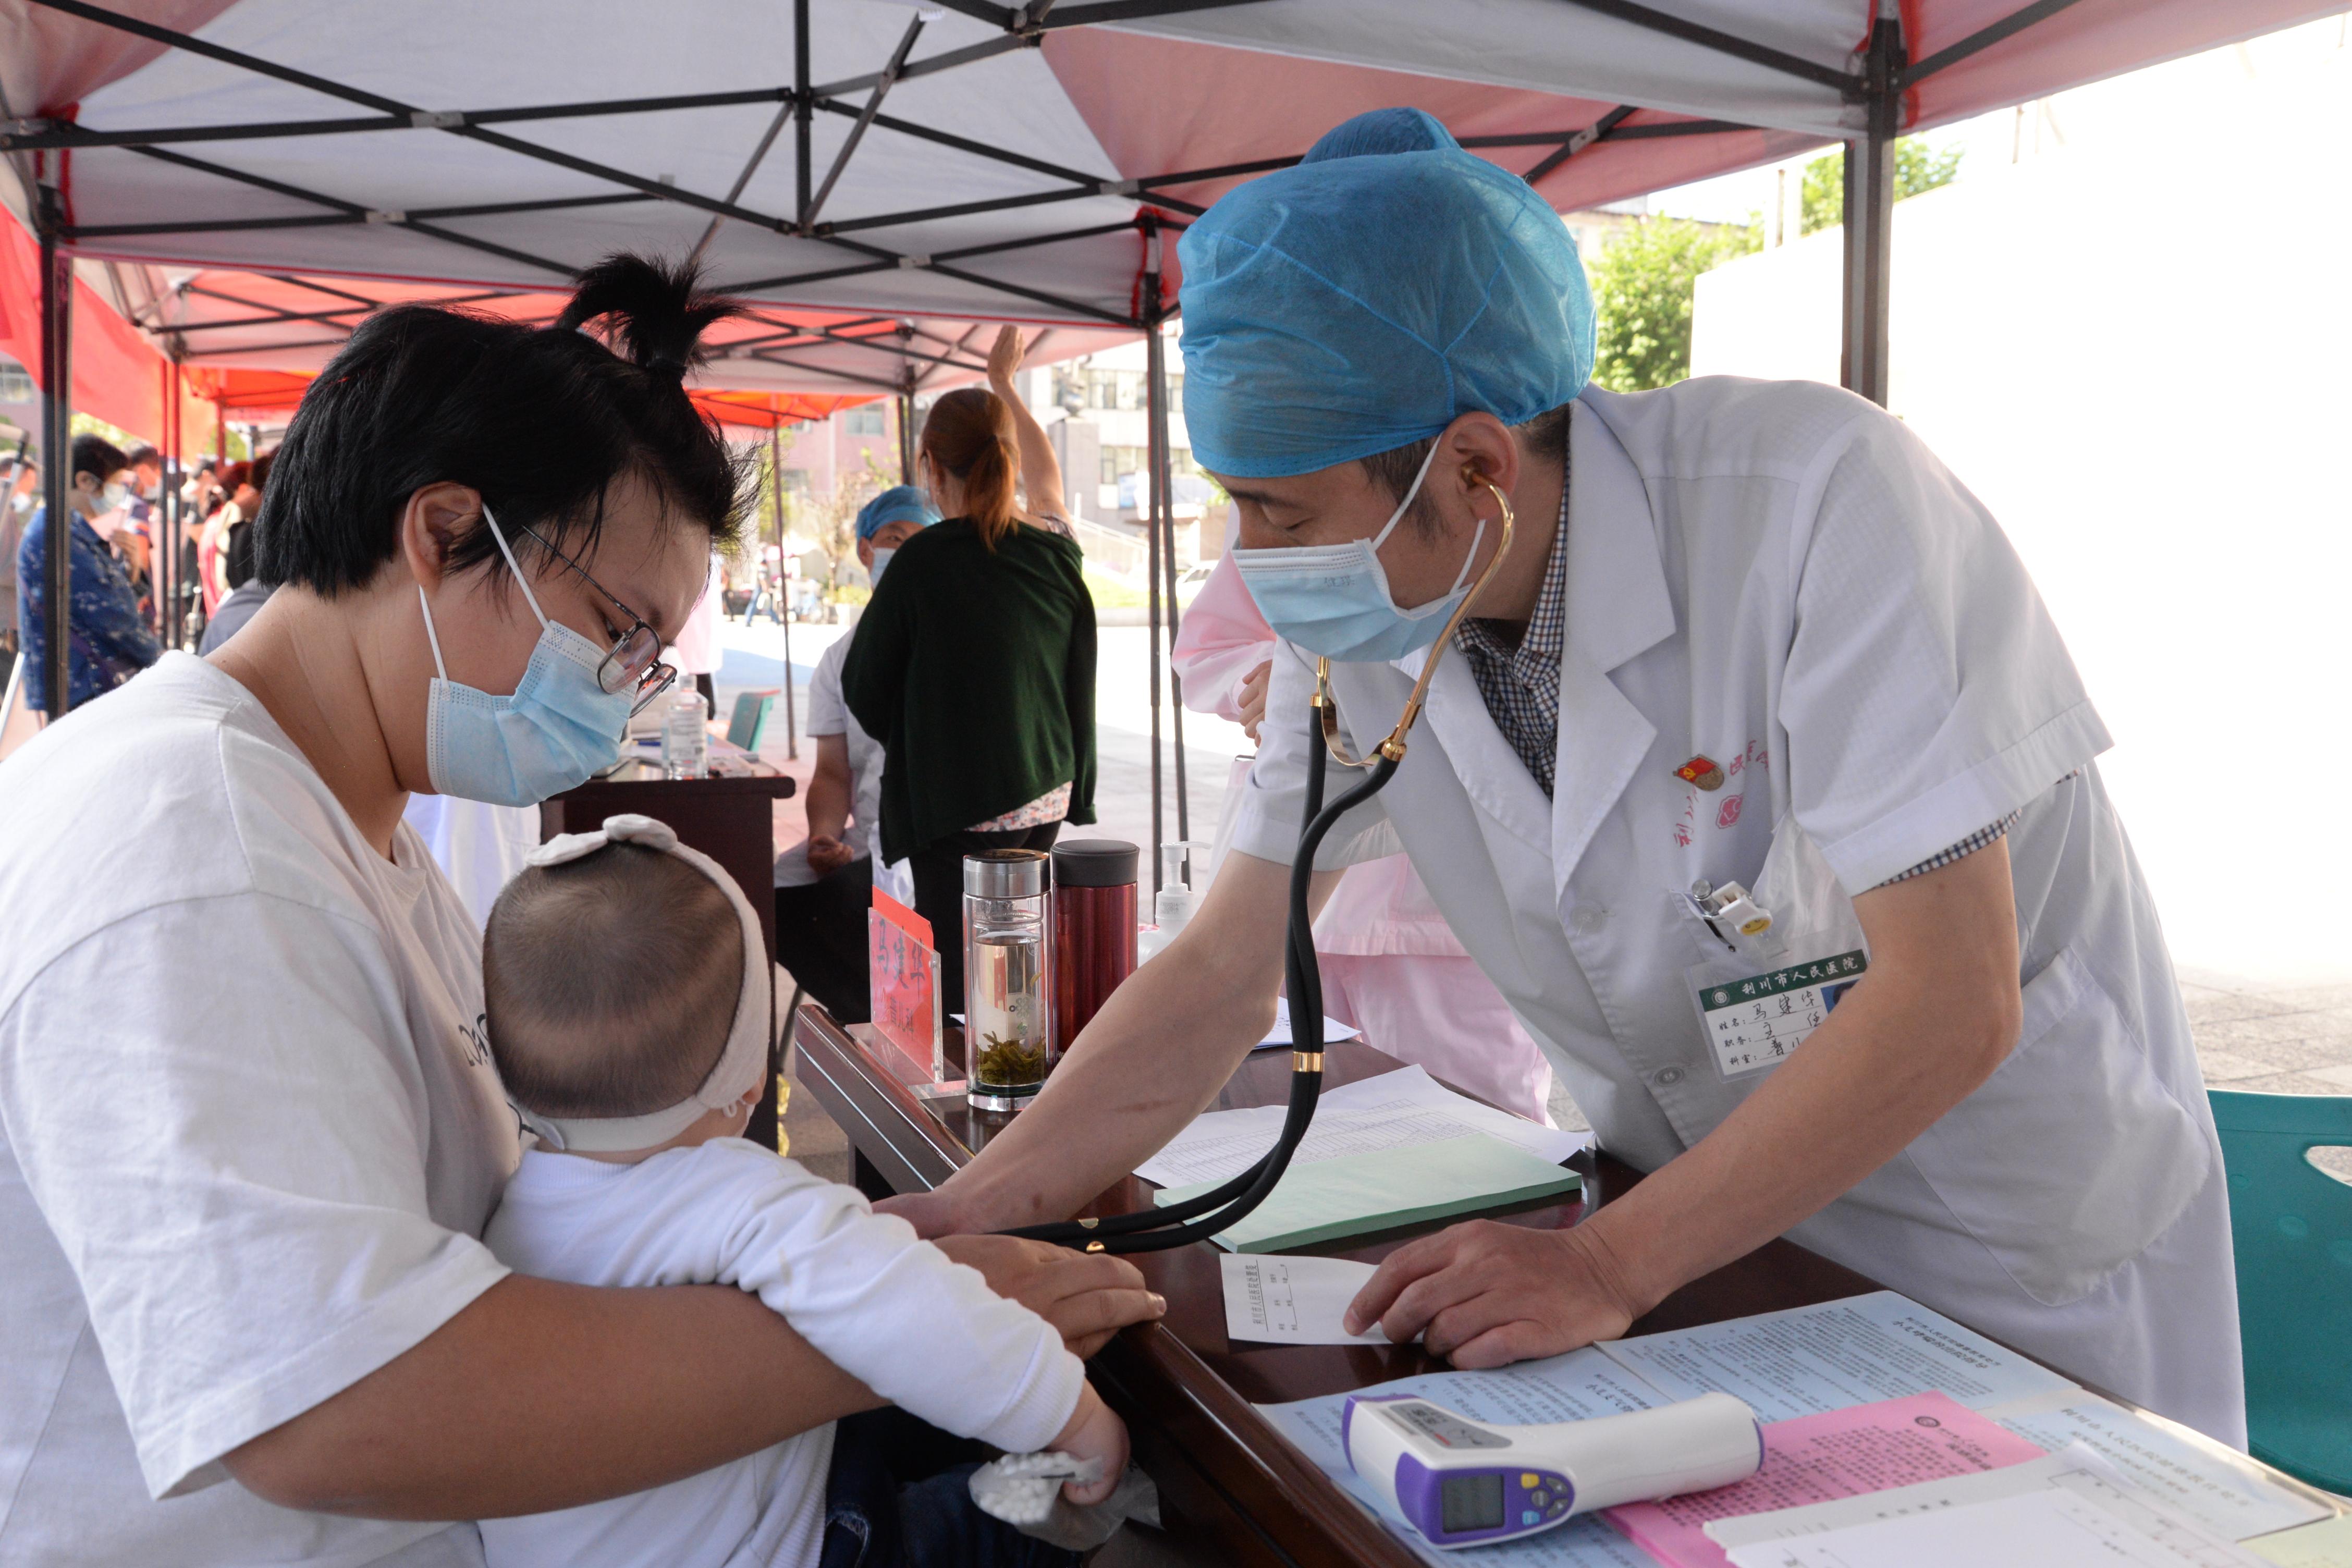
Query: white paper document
pixel 1568 1387
pixel 1963 1490
pixel 2225 1491
pixel 1280 1034
pixel 1394 1110
pixel 1855 1352
pixel 2079 1518
pixel 1281 1300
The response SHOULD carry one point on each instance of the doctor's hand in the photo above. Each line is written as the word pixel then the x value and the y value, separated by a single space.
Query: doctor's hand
pixel 1485 1293
pixel 1088 1297
pixel 1250 698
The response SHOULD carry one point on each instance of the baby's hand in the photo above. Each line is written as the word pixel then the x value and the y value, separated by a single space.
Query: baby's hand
pixel 1095 1433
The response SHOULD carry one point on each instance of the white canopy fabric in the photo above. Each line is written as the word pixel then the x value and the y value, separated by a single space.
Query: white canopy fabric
pixel 1002 174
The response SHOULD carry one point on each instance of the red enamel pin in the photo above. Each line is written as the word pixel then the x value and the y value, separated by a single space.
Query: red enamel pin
pixel 1702 771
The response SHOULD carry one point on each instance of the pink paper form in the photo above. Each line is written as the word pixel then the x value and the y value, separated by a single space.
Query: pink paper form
pixel 1837 1453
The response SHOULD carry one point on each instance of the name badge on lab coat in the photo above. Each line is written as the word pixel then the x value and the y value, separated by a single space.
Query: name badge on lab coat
pixel 1754 1020
pixel 1766 990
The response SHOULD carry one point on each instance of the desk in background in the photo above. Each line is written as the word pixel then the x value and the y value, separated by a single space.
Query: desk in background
pixel 730 819
pixel 1232 1490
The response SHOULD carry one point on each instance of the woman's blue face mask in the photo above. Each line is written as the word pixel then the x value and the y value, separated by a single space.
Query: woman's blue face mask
pixel 559 730
pixel 1334 599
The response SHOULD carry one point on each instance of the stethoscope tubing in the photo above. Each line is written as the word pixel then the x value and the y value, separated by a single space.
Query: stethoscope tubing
pixel 1199 1217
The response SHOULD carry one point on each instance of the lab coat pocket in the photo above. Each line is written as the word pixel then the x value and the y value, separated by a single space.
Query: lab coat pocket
pixel 2072 1156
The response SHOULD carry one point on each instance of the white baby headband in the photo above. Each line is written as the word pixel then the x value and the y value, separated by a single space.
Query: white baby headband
pixel 741 1066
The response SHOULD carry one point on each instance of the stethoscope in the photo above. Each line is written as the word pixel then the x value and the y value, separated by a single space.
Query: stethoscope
pixel 1198 1218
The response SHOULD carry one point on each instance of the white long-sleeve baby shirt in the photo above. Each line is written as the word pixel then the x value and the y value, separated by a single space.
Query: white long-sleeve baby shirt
pixel 923 1333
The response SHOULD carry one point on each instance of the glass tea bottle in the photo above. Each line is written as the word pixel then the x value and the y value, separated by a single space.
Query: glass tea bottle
pixel 1008 996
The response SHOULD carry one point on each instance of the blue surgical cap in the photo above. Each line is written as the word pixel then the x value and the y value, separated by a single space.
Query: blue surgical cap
pixel 1365 298
pixel 899 502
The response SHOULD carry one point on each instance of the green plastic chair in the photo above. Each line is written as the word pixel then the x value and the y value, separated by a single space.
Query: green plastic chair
pixel 2292 1224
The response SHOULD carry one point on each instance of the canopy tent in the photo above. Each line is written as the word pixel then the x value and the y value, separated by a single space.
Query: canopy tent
pixel 1031 159
pixel 508 145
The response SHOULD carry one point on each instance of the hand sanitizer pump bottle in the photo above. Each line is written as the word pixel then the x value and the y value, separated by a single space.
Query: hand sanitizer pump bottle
pixel 1176 902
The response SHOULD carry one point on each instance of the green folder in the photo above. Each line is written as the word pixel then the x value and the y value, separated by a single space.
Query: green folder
pixel 1386 1189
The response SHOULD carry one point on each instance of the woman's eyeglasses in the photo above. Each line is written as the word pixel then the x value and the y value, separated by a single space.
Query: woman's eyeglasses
pixel 635 656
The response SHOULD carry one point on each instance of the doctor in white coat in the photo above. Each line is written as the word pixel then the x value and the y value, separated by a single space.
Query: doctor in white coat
pixel 1744 633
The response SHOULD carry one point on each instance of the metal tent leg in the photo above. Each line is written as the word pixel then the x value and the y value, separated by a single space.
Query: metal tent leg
pixel 1870 211
pixel 1163 529
pixel 57 446
pixel 783 611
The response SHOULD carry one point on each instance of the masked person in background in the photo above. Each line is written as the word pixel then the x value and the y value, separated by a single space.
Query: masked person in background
pixel 108 641
pixel 18 499
pixel 825 884
pixel 252 1128
pixel 1744 635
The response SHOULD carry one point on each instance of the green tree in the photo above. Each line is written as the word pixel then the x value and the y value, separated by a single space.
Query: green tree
pixel 1643 285
pixel 1915 170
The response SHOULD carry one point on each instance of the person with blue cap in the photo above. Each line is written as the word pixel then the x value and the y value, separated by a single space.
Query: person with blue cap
pixel 826 883
pixel 1760 782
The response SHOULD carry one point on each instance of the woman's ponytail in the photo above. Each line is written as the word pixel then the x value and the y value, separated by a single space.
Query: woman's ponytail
pixel 968 433
pixel 656 311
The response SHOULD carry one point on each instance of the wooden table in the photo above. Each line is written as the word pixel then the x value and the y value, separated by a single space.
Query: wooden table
pixel 1233 1490
pixel 730 818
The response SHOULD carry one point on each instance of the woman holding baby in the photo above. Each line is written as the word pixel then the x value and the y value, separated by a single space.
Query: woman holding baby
pixel 251 1125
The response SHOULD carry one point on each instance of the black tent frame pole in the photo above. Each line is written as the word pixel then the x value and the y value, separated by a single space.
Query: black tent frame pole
pixel 1870 211
pixel 1153 394
pixel 801 113
pixel 176 503
pixel 159 547
pixel 1163 504
pixel 815 204
pixel 56 451
pixel 783 611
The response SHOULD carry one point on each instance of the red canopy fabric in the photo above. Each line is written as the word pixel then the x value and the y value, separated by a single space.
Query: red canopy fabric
pixel 118 376
pixel 270 396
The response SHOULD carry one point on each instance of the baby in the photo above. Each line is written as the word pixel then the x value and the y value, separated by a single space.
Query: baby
pixel 628 993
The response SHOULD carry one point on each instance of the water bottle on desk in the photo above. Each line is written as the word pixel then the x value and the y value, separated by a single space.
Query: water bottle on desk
pixel 686 737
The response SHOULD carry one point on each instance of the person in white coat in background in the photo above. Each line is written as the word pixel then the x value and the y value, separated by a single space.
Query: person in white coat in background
pixel 699 651
pixel 826 883
pixel 1392 966
pixel 1727 652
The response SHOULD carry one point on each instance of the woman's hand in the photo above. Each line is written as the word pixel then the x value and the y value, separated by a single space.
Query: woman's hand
pixel 827 855
pixel 1486 1293
pixel 1004 359
pixel 1088 1297
pixel 1251 698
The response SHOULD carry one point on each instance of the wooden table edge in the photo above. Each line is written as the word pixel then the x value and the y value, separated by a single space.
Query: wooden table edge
pixel 1154 1352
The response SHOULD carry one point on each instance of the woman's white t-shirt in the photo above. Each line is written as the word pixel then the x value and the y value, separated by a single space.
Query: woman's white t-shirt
pixel 249 1128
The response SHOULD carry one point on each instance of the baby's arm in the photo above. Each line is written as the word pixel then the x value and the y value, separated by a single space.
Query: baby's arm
pixel 923 1333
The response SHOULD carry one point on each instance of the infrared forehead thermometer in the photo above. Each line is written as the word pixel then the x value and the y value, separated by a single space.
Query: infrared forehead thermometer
pixel 1466 1483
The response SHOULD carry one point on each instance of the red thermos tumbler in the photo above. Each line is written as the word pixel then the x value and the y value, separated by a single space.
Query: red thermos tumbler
pixel 1094 929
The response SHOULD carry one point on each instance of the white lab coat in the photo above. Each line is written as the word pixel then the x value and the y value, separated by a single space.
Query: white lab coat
pixel 1779 576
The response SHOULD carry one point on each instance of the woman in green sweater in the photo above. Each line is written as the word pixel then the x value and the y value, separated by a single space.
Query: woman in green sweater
pixel 974 665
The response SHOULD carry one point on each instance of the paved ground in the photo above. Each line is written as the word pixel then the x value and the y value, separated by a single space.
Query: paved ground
pixel 2267 1038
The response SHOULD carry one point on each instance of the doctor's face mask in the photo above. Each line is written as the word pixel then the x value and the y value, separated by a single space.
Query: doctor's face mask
pixel 1334 599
